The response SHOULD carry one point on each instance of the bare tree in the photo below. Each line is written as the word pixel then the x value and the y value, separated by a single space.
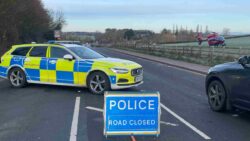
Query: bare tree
pixel 57 20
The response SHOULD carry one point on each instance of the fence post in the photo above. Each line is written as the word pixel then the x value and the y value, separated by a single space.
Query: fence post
pixel 240 52
pixel 212 56
pixel 200 52
pixel 209 54
pixel 192 51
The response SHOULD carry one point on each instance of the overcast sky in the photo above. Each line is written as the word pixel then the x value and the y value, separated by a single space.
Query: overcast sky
pixel 97 15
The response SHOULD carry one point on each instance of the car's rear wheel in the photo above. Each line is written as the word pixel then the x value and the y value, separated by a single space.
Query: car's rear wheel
pixel 217 96
pixel 98 83
pixel 17 78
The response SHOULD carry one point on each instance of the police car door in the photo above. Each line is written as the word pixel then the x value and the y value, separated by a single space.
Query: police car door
pixel 62 70
pixel 35 64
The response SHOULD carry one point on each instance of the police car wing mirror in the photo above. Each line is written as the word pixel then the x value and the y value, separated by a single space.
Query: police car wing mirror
pixel 68 57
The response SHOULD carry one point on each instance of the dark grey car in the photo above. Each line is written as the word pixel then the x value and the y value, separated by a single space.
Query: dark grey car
pixel 228 85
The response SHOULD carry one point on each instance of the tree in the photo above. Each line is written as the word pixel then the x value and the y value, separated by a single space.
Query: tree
pixel 129 34
pixel 164 31
pixel 57 20
pixel 24 21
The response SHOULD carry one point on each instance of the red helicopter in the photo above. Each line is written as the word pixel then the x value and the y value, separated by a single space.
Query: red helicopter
pixel 213 39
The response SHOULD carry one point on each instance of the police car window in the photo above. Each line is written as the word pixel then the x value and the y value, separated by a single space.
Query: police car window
pixel 39 51
pixel 21 51
pixel 57 52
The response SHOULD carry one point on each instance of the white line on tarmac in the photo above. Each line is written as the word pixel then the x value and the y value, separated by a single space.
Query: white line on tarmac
pixel 186 70
pixel 206 137
pixel 169 124
pixel 74 125
pixel 94 109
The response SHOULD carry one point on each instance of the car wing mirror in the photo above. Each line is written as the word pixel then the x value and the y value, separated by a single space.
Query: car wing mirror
pixel 243 60
pixel 68 57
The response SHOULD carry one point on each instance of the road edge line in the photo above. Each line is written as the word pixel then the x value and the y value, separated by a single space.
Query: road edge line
pixel 202 134
pixel 74 125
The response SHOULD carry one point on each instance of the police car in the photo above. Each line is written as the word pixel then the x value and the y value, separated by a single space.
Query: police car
pixel 69 65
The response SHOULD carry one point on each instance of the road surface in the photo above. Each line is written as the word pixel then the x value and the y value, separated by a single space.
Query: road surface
pixel 57 113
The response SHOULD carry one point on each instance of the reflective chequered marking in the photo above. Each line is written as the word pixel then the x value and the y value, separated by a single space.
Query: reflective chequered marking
pixel 3 71
pixel 52 70
pixel 112 79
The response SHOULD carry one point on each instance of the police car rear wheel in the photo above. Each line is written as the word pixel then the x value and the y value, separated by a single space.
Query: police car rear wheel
pixel 98 83
pixel 17 78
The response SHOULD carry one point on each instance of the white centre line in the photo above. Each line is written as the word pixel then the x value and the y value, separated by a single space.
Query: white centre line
pixel 74 125
pixel 206 137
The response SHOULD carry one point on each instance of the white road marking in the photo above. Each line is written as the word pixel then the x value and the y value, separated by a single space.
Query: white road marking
pixel 206 137
pixel 187 70
pixel 74 125
pixel 168 123
pixel 94 109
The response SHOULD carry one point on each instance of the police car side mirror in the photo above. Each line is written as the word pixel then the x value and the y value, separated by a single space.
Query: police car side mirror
pixel 68 57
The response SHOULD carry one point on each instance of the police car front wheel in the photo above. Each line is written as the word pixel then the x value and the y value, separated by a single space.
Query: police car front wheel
pixel 98 83
pixel 17 78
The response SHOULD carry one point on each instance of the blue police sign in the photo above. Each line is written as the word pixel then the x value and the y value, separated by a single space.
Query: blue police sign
pixel 131 113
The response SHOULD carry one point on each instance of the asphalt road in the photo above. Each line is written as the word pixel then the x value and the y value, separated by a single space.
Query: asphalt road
pixel 45 113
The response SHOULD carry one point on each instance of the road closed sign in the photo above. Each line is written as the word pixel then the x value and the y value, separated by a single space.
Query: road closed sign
pixel 131 113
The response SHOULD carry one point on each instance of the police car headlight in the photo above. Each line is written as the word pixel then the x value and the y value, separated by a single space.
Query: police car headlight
pixel 119 70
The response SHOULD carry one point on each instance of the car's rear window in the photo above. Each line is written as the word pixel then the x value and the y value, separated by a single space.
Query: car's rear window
pixel 39 51
pixel 21 51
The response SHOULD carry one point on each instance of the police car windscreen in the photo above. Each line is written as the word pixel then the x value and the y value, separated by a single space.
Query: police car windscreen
pixel 86 53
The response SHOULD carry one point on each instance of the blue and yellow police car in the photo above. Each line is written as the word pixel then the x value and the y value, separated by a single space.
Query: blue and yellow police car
pixel 68 65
